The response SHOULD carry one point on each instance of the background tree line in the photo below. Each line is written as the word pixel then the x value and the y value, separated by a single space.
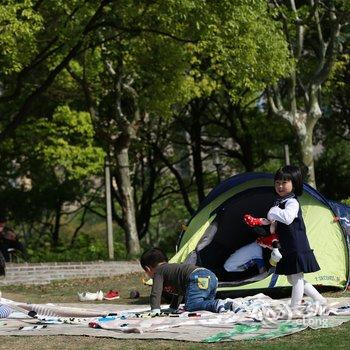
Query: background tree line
pixel 156 87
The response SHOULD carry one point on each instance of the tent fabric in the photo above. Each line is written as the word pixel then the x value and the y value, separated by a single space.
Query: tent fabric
pixel 217 230
pixel 343 213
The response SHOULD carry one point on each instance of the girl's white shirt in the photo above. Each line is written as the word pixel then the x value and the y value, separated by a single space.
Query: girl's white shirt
pixel 286 215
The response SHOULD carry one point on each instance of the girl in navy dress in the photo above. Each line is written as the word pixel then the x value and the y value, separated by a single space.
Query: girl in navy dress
pixel 297 256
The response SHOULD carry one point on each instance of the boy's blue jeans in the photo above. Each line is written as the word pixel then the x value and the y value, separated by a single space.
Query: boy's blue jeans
pixel 201 290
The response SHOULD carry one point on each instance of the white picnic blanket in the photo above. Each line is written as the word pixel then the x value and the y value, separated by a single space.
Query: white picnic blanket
pixel 257 317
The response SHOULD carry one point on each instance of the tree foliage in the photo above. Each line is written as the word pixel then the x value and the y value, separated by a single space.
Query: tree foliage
pixel 19 25
pixel 155 86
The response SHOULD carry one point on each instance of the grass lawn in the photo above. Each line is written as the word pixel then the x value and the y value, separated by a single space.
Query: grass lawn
pixel 66 291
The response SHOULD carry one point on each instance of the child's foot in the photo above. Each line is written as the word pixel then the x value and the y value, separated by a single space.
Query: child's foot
pixel 224 305
pixel 319 301
pixel 297 313
pixel 317 307
pixel 322 301
pixel 221 306
pixel 229 305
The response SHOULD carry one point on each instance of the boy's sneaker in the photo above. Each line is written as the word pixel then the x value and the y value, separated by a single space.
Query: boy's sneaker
pixel 111 295
pixel 224 305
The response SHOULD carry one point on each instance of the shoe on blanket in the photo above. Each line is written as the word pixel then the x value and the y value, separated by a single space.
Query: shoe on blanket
pixel 112 295
pixel 87 296
pixel 225 305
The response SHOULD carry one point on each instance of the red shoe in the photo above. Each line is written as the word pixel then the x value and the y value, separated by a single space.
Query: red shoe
pixel 267 242
pixel 111 295
pixel 252 221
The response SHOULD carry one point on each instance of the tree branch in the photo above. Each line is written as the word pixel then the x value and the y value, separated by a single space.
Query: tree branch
pixel 20 116
pixel 140 30
pixel 178 178
pixel 43 55
pixel 326 64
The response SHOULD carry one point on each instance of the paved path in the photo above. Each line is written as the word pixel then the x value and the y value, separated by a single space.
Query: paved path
pixel 43 273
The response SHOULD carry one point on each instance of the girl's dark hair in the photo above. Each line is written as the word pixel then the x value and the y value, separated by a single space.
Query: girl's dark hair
pixel 293 173
pixel 152 258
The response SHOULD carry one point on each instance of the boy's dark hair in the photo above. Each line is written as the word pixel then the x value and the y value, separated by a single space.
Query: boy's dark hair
pixel 293 173
pixel 152 258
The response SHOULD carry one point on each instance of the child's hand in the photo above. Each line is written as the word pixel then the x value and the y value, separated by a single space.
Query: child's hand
pixel 273 226
pixel 264 221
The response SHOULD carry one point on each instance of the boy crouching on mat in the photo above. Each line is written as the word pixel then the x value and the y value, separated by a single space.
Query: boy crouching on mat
pixel 196 284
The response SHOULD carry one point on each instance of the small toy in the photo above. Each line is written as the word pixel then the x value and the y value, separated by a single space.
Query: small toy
pixel 134 294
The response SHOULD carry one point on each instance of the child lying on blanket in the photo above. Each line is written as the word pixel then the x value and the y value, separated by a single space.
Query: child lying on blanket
pixel 197 284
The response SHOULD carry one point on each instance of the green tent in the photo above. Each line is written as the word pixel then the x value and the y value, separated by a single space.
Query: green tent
pixel 218 229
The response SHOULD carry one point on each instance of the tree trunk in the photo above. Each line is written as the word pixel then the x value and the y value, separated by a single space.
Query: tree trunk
pixel 307 157
pixel 196 145
pixel 304 123
pixel 314 62
pixel 143 216
pixel 56 229
pixel 128 207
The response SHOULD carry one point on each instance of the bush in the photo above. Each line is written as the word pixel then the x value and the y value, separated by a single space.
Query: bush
pixel 85 248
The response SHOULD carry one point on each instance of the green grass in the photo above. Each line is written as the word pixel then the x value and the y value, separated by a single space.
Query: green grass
pixel 66 291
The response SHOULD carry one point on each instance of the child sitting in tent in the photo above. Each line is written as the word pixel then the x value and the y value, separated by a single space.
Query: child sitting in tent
pixel 266 240
pixel 252 253
pixel 245 257
pixel 197 284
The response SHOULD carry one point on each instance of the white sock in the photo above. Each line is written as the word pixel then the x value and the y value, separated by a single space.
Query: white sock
pixel 297 282
pixel 312 292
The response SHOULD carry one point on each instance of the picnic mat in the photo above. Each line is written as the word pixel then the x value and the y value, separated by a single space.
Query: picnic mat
pixel 256 317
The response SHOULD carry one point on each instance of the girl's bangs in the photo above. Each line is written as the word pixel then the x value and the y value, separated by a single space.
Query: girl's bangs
pixel 282 176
